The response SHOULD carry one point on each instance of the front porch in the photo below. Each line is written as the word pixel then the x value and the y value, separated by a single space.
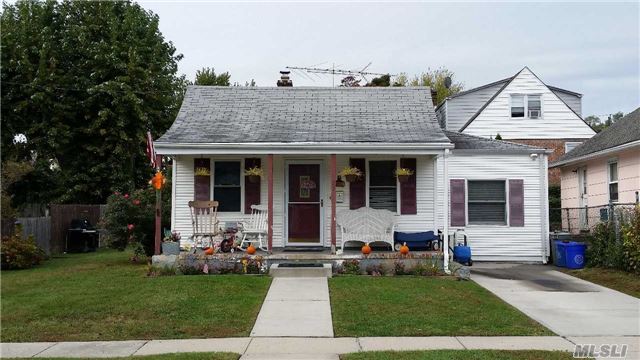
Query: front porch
pixel 303 195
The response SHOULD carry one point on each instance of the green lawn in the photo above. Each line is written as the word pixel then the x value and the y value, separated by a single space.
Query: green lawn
pixel 422 306
pixel 181 356
pixel 460 355
pixel 102 296
pixel 615 279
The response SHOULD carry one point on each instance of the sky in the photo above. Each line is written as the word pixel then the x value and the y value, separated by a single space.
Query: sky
pixel 590 48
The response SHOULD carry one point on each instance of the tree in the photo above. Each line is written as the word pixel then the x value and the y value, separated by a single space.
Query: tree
pixel 383 80
pixel 207 76
pixel 83 82
pixel 598 125
pixel 436 80
pixel 350 81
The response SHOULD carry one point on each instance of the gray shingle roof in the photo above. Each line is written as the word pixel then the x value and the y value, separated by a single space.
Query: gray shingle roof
pixel 623 131
pixel 211 114
pixel 472 142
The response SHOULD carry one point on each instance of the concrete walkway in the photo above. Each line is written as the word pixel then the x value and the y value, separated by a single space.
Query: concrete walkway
pixel 565 304
pixel 295 307
pixel 305 348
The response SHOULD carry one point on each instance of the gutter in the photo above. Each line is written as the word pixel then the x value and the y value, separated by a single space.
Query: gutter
pixel 303 147
pixel 595 154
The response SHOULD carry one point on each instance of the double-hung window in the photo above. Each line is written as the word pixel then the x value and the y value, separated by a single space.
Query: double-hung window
pixel 226 185
pixel 487 203
pixel 613 181
pixel 526 106
pixel 383 191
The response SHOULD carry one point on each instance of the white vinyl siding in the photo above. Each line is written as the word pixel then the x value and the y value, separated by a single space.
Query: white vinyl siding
pixel 458 110
pixel 502 242
pixel 557 122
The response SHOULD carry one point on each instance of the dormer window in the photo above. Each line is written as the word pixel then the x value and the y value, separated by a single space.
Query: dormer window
pixel 526 106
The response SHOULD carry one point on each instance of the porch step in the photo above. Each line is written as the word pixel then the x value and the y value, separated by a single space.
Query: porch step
pixel 297 269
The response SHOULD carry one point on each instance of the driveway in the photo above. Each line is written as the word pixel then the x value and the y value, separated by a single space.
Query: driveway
pixel 567 305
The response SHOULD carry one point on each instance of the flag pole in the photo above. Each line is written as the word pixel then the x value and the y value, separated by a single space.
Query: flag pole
pixel 158 210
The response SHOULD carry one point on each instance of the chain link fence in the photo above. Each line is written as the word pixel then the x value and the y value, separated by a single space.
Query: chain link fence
pixel 583 220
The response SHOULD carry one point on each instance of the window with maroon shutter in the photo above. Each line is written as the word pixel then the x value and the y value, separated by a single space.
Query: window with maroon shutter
pixel 358 188
pixel 457 202
pixel 251 189
pixel 202 179
pixel 487 202
pixel 516 202
pixel 408 204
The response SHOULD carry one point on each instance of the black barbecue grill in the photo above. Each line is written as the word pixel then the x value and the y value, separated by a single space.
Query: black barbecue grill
pixel 81 237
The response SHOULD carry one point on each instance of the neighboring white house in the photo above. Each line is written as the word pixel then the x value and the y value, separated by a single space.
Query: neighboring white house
pixel 521 109
pixel 604 169
pixel 301 137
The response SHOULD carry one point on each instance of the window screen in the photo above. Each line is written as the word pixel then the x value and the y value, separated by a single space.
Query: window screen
pixel 383 192
pixel 487 202
pixel 517 106
pixel 226 185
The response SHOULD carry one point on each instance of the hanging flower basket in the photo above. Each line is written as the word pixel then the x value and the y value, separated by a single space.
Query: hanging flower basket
pixel 403 178
pixel 403 174
pixel 351 174
pixel 254 174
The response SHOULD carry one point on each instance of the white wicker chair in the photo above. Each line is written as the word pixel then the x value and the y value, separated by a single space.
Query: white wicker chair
pixel 255 230
pixel 366 225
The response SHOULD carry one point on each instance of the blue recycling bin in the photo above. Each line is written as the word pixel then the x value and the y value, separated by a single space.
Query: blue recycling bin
pixel 462 254
pixel 561 253
pixel 575 258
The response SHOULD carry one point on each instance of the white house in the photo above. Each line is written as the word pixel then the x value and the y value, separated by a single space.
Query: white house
pixel 301 137
pixel 522 109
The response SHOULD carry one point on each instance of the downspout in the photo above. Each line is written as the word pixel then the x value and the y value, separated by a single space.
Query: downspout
pixel 544 175
pixel 445 194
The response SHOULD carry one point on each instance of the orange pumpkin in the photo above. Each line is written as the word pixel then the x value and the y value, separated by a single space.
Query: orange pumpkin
pixel 404 249
pixel 208 251
pixel 366 249
pixel 251 249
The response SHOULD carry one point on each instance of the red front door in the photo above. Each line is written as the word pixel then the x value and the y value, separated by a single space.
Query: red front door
pixel 304 204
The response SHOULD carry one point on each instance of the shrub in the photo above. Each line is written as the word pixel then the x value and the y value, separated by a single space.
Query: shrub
pixel 604 250
pixel 351 267
pixel 631 242
pixel 130 218
pixel 376 270
pixel 20 253
pixel 399 268
pixel 424 269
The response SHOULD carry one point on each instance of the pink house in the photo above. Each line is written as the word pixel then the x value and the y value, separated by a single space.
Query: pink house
pixel 604 169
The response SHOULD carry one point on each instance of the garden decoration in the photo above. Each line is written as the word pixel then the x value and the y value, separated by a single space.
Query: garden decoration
pixel 201 171
pixel 251 250
pixel 404 249
pixel 209 250
pixel 171 243
pixel 366 249
pixel 403 174
pixel 254 174
pixel 350 174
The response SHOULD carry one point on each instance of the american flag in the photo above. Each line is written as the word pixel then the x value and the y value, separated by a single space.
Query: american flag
pixel 151 150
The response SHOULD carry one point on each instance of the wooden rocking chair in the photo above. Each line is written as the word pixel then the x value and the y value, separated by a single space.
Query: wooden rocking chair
pixel 255 230
pixel 204 220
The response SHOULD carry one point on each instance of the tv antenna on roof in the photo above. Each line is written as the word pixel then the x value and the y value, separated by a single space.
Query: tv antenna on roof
pixel 333 71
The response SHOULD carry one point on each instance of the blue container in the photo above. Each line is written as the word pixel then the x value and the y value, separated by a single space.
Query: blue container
pixel 575 255
pixel 462 254
pixel 561 254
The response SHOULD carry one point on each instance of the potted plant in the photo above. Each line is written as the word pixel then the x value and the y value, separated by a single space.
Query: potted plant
pixel 254 174
pixel 350 174
pixel 171 243
pixel 403 174
pixel 202 171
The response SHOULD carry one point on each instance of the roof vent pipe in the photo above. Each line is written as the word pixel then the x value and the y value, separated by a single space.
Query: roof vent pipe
pixel 284 79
